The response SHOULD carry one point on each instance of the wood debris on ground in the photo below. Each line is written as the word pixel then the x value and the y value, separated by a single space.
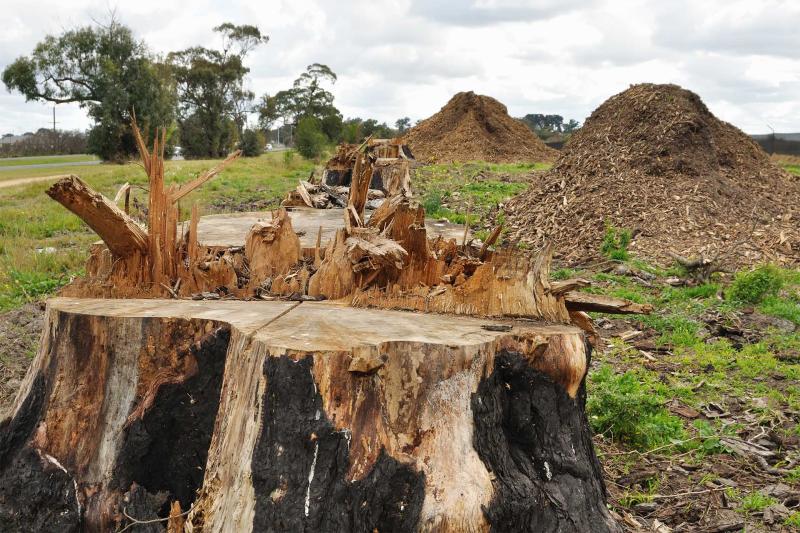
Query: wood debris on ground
pixel 655 161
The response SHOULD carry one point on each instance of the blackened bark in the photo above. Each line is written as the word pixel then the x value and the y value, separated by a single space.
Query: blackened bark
pixel 301 460
pixel 166 450
pixel 536 441
pixel 35 494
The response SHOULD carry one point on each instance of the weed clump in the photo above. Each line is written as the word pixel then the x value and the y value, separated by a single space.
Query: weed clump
pixel 751 287
pixel 615 243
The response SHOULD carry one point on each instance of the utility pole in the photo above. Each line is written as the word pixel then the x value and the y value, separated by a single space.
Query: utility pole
pixel 772 144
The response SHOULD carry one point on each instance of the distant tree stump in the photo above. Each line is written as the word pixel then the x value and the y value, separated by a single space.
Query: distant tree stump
pixel 285 416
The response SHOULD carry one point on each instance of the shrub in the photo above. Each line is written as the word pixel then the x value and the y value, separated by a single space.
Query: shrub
pixel 309 139
pixel 615 243
pixel 753 286
pixel 252 144
pixel 629 409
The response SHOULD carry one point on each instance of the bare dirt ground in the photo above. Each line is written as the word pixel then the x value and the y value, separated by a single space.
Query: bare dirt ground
pixel 20 330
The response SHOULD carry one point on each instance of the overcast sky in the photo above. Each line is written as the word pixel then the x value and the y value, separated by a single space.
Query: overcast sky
pixel 408 57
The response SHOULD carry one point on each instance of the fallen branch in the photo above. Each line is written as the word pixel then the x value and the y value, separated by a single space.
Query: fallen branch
pixel 583 301
pixel 121 233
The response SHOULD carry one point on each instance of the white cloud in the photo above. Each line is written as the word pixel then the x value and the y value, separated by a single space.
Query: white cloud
pixel 408 57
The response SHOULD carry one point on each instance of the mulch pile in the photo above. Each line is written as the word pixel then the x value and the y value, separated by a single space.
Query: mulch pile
pixel 654 160
pixel 473 127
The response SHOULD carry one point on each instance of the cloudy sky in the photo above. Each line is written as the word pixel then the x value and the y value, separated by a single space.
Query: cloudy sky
pixel 407 57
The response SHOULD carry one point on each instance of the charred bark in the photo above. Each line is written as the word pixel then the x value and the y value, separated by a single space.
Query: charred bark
pixel 536 441
pixel 301 460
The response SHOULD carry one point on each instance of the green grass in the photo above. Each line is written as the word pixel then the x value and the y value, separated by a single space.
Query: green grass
pixel 629 408
pixel 615 242
pixel 703 369
pixel 793 520
pixel 794 169
pixel 32 225
pixel 448 191
pixel 44 160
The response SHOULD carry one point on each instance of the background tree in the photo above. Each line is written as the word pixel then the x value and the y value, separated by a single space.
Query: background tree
pixel 309 138
pixel 213 101
pixel 108 72
pixel 252 144
pixel 546 126
pixel 402 124
pixel 572 126
pixel 306 98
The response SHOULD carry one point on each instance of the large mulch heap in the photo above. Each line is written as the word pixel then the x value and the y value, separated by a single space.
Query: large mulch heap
pixel 473 127
pixel 654 160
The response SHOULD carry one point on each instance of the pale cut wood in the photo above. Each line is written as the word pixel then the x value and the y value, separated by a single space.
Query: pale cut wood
pixel 122 234
pixel 584 301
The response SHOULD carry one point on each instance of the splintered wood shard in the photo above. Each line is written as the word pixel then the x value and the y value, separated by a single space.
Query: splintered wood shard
pixel 272 247
pixel 121 233
pixel 145 263
pixel 201 179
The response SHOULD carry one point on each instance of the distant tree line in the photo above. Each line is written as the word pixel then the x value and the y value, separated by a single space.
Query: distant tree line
pixel 198 94
pixel 45 142
pixel 546 126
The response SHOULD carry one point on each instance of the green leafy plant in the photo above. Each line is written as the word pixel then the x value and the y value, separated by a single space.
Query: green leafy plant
pixel 793 520
pixel 309 139
pixel 709 442
pixel 628 408
pixel 751 287
pixel 615 242
pixel 755 502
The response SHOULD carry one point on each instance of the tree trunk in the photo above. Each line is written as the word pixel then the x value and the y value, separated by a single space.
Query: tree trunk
pixel 286 416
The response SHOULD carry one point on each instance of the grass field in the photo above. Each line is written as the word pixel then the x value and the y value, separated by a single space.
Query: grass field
pixel 46 159
pixel 42 244
pixel 450 191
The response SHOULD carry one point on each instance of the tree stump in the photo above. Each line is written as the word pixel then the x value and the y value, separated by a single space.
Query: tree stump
pixel 288 416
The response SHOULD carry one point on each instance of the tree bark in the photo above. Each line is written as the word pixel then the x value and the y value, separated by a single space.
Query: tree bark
pixel 285 416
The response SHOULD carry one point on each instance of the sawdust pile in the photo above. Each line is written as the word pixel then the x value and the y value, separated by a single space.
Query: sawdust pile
pixel 472 127
pixel 653 159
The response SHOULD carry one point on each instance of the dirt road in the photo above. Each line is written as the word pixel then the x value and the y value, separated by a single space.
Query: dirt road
pixel 26 181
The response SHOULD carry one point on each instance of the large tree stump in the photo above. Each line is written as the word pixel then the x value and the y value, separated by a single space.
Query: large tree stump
pixel 286 416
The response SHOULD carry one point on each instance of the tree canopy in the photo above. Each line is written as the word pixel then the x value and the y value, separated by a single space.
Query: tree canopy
pixel 213 99
pixel 108 72
pixel 306 98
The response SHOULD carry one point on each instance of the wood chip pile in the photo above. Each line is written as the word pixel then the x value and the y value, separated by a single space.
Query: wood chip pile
pixel 653 159
pixel 474 127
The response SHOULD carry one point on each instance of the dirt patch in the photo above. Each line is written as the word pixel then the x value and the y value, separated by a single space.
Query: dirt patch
pixel 20 330
pixel 474 127
pixel 653 159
